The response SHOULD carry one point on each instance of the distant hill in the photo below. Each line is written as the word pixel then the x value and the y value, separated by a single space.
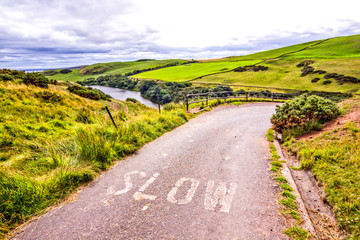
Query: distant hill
pixel 100 69
pixel 339 56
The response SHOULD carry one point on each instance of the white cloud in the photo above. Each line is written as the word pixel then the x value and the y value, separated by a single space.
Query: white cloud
pixel 51 33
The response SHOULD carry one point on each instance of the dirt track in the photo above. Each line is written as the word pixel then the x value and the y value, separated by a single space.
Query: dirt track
pixel 208 179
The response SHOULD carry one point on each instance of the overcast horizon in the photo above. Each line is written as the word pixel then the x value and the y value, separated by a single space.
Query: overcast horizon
pixel 42 34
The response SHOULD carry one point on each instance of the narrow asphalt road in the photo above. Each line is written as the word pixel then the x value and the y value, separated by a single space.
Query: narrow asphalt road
pixel 208 179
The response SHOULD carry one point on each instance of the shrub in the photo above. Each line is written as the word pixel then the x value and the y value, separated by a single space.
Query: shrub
pixel 307 70
pixel 132 100
pixel 90 93
pixel 49 96
pixel 315 80
pixel 305 63
pixel 320 72
pixel 50 72
pixel 251 68
pixel 36 79
pixel 65 71
pixel 6 77
pixel 326 82
pixel 304 113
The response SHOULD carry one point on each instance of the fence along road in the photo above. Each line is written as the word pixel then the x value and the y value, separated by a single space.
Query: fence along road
pixel 208 179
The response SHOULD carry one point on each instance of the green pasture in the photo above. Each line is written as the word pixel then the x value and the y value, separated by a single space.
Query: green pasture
pixel 285 74
pixel 191 71
pixel 275 53
pixel 340 47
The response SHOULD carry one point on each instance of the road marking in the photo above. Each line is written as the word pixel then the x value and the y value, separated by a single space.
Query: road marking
pixel 139 195
pixel 220 196
pixel 194 184
pixel 110 190
pixel 128 183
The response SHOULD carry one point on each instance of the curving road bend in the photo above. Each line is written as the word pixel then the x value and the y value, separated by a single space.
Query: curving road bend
pixel 208 179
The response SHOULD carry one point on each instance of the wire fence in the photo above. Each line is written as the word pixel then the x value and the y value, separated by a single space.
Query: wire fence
pixel 206 97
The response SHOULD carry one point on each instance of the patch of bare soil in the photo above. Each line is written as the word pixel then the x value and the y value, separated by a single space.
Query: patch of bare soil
pixel 352 116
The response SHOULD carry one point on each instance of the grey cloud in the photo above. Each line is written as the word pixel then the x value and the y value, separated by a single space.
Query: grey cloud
pixel 87 36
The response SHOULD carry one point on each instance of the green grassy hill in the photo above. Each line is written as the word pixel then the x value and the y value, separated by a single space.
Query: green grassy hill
pixel 339 55
pixel 100 69
pixel 52 141
pixel 194 70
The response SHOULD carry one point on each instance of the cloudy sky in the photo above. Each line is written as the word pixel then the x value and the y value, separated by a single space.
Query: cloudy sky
pixel 36 34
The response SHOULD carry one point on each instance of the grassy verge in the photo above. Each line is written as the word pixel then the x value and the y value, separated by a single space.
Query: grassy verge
pixel 52 141
pixel 287 199
pixel 334 160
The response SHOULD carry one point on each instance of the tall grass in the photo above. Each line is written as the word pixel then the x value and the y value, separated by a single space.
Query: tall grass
pixel 48 148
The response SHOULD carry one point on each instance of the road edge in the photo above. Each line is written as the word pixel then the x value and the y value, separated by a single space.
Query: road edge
pixel 307 223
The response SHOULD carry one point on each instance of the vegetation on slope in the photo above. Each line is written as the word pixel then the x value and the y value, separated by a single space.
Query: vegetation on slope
pixel 339 47
pixel 285 75
pixel 333 159
pixel 52 141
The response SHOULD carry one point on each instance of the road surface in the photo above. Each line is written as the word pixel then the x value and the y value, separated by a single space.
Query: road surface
pixel 208 179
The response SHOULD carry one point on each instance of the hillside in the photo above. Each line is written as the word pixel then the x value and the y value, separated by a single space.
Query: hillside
pixel 191 71
pixel 52 141
pixel 101 69
pixel 339 55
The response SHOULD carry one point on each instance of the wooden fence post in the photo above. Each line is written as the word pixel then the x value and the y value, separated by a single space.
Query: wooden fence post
pixel 159 104
pixel 107 109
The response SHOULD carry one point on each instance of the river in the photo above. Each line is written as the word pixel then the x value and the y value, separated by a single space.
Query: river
pixel 123 94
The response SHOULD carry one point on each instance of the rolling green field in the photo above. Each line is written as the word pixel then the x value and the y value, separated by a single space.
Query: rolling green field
pixel 339 55
pixel 92 71
pixel 194 70
pixel 276 53
pixel 285 74
pixel 336 55
pixel 340 47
